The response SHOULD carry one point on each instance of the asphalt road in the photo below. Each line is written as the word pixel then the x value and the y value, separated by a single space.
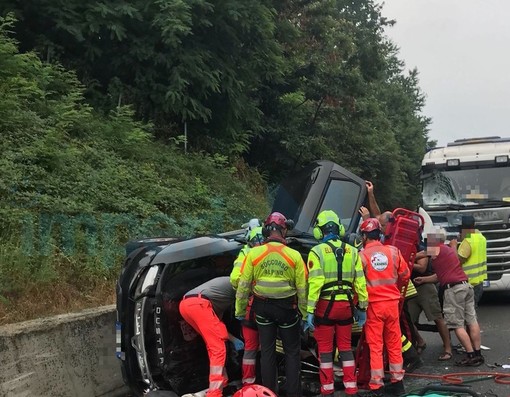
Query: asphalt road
pixel 494 319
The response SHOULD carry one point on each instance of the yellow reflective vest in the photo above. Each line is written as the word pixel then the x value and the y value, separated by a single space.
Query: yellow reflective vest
pixel 323 270
pixel 475 265
pixel 236 271
pixel 272 271
pixel 411 290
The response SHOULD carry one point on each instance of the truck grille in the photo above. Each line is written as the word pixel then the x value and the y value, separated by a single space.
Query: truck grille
pixel 497 234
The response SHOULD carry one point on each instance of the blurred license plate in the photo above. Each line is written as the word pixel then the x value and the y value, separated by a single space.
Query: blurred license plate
pixel 486 283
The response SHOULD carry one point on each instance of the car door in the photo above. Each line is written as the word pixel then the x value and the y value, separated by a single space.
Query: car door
pixel 323 185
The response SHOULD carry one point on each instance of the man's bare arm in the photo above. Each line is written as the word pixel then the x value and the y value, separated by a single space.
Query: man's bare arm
pixel 373 207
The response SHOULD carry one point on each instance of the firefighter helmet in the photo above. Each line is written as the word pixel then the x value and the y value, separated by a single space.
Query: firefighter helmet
pixel 254 391
pixel 369 225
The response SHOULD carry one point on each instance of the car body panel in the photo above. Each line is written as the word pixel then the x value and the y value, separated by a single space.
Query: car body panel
pixel 157 348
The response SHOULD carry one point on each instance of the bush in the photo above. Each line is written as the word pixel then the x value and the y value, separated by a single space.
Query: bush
pixel 76 185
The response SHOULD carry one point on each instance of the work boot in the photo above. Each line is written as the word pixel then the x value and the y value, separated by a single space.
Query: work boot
pixel 395 389
pixel 372 393
pixel 413 364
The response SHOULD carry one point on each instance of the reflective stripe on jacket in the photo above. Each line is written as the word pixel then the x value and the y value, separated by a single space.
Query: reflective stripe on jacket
pixel 384 266
pixel 323 269
pixel 411 290
pixel 276 272
pixel 475 266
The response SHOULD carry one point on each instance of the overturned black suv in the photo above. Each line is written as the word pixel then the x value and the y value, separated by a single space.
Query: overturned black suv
pixel 157 348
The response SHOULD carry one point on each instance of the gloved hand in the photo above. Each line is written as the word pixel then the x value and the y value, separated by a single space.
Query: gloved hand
pixel 238 344
pixel 240 318
pixel 308 325
pixel 360 316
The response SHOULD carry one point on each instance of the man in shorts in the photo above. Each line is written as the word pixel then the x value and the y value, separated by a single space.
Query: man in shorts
pixel 459 304
pixel 427 300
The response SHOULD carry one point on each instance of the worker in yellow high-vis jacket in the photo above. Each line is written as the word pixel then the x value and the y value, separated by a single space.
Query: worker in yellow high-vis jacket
pixel 277 277
pixel 335 276
pixel 249 329
pixel 472 253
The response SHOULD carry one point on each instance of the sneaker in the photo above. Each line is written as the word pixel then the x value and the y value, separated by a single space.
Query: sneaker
pixel 395 389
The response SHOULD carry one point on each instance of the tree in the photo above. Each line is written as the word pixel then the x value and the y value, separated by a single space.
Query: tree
pixel 176 61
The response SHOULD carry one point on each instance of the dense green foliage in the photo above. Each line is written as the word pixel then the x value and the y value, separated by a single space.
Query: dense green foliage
pixel 94 106
pixel 76 184
pixel 279 82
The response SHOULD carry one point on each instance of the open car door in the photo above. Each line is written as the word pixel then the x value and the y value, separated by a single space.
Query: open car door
pixel 323 185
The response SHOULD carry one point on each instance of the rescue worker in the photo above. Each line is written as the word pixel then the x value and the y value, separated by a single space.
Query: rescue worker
pixel 472 254
pixel 410 351
pixel 278 276
pixel 385 271
pixel 335 274
pixel 248 325
pixel 202 308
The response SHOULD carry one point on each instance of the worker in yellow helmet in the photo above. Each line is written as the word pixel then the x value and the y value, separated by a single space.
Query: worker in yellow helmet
pixel 335 275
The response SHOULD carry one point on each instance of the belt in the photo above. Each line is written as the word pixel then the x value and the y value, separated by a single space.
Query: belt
pixel 291 298
pixel 450 285
pixel 195 296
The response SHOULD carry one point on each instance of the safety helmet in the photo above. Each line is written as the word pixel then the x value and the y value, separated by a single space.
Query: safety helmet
pixel 327 222
pixel 254 391
pixel 276 221
pixel 249 226
pixel 369 225
pixel 255 236
pixel 254 222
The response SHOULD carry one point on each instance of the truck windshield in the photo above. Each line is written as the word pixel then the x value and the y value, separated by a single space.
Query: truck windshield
pixel 467 187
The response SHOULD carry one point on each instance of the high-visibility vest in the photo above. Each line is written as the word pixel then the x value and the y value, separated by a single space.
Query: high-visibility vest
pixel 323 274
pixel 272 271
pixel 236 271
pixel 475 266
pixel 411 290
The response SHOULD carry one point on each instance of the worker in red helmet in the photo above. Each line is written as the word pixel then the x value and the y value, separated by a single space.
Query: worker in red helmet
pixel 249 329
pixel 202 308
pixel 277 277
pixel 385 269
pixel 335 275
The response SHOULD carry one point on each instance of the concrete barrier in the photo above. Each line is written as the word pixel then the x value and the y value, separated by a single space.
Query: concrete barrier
pixel 68 355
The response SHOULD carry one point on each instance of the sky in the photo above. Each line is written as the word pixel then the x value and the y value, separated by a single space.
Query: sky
pixel 461 49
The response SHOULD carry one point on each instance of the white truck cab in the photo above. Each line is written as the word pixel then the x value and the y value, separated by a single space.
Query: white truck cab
pixel 472 177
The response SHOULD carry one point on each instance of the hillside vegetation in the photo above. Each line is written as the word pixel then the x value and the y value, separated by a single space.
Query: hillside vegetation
pixel 95 98
pixel 75 185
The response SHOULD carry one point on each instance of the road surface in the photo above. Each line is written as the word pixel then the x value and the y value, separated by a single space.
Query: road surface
pixel 494 318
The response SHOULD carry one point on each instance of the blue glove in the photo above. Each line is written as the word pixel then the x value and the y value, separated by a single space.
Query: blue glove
pixel 309 323
pixel 238 344
pixel 360 316
pixel 240 318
